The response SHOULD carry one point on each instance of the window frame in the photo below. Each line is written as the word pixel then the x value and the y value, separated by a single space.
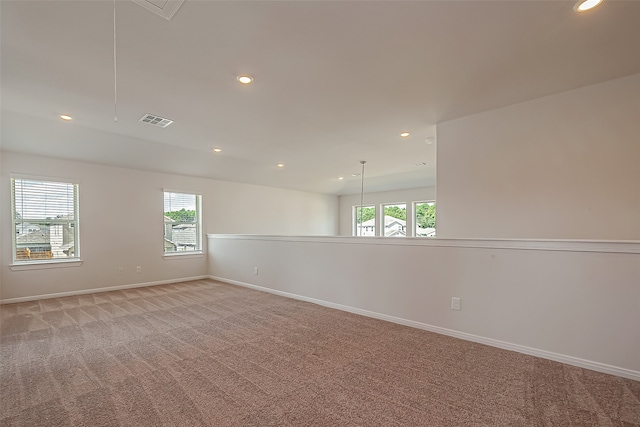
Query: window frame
pixel 415 219
pixel 75 260
pixel 354 223
pixel 197 222
pixel 383 223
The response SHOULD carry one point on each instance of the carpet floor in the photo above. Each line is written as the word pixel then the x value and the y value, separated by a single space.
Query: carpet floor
pixel 204 353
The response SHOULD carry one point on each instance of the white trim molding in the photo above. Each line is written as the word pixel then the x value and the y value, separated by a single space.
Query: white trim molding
pixel 98 290
pixel 602 246
pixel 40 265
pixel 183 255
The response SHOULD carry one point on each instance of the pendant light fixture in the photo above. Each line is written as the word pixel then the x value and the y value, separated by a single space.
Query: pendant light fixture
pixel 115 68
pixel 362 162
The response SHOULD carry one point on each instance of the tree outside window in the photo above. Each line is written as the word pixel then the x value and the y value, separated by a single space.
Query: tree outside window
pixel 425 219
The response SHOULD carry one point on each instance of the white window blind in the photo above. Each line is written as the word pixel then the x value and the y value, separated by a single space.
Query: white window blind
pixel 45 217
pixel 182 222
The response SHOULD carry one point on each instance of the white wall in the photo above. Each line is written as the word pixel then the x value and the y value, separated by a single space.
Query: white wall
pixel 575 302
pixel 121 223
pixel 2 230
pixel 421 194
pixel 565 166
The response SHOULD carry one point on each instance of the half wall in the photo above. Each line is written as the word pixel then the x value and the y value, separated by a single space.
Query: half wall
pixel 576 302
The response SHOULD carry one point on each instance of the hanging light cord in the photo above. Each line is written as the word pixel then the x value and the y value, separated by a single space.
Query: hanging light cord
pixel 362 162
pixel 115 68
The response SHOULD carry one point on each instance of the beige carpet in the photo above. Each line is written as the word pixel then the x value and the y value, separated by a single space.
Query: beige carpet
pixel 209 354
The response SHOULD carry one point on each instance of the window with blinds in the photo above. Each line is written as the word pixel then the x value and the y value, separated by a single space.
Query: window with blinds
pixel 182 223
pixel 45 220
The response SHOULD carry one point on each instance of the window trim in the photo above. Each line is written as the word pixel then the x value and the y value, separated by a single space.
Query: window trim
pixel 383 215
pixel 354 221
pixel 415 219
pixel 43 264
pixel 76 260
pixel 196 253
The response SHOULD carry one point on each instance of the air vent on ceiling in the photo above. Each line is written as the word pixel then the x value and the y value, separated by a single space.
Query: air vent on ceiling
pixel 164 8
pixel 152 119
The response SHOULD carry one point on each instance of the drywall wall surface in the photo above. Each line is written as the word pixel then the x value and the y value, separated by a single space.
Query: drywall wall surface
pixel 2 230
pixel 572 301
pixel 421 194
pixel 566 166
pixel 121 223
pixel 251 209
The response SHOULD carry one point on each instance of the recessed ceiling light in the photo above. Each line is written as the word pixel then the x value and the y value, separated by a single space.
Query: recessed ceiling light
pixel 245 80
pixel 404 134
pixel 217 150
pixel 65 117
pixel 341 178
pixel 584 5
pixel 280 165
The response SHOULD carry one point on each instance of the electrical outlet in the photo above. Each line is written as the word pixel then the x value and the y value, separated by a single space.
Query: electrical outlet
pixel 455 303
pixel 255 270
pixel 120 270
pixel 138 269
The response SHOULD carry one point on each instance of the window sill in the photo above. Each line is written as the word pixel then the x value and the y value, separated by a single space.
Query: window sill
pixel 184 255
pixel 40 265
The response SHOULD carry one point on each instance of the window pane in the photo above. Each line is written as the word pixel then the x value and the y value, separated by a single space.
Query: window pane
pixel 44 240
pixel 181 222
pixel 395 220
pixel 45 222
pixel 425 219
pixel 365 221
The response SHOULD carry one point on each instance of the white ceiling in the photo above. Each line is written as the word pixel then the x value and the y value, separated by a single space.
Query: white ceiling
pixel 335 81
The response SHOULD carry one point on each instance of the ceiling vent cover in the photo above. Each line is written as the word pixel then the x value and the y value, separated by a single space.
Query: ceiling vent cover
pixel 152 119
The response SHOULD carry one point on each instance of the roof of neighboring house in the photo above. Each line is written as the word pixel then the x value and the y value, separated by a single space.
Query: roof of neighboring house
pixel 39 237
pixel 395 233
pixel 388 221
pixel 429 232
pixel 183 226
pixel 27 226
pixel 184 235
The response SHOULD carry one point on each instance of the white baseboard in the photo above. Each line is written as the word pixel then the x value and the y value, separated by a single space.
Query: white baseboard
pixel 569 360
pixel 97 290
